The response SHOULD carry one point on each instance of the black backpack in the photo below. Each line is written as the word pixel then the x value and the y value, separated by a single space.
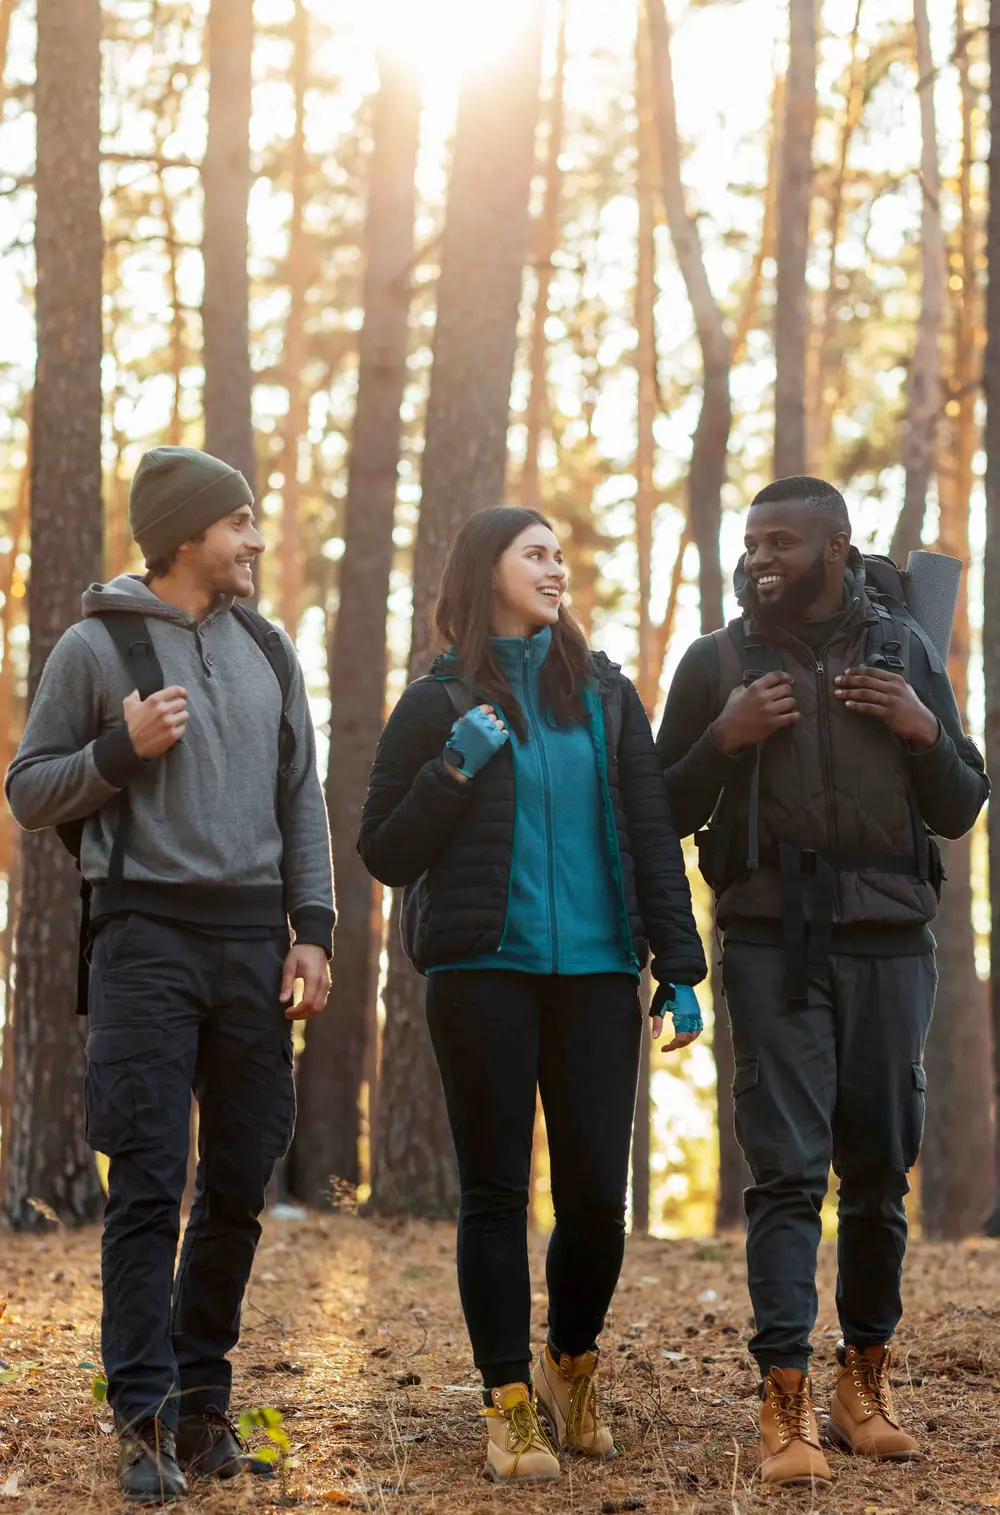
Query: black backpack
pixel 130 634
pixel 415 894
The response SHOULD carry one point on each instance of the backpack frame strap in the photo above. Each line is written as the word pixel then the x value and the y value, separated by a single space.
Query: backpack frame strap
pixel 130 634
pixel 756 656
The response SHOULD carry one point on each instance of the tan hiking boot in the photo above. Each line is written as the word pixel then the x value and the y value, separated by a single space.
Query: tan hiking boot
pixel 790 1452
pixel 566 1395
pixel 518 1450
pixel 862 1420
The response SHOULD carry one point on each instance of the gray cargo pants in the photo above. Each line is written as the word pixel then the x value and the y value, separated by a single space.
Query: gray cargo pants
pixel 839 1081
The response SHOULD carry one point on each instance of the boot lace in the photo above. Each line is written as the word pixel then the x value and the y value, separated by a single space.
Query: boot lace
pixel 871 1379
pixel 582 1403
pixel 525 1432
pixel 791 1412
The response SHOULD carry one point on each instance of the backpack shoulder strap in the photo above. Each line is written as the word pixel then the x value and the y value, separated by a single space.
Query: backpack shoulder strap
pixel 459 693
pixel 729 646
pixel 268 639
pixel 889 636
pixel 130 634
pixel 608 675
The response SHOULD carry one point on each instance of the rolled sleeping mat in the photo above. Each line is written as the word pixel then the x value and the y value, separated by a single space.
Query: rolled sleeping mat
pixel 931 588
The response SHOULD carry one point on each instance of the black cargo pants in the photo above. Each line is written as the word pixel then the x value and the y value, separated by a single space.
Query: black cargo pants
pixel 173 1010
pixel 838 1082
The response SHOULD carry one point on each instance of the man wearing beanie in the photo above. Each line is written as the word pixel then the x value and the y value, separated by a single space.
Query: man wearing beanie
pixel 206 846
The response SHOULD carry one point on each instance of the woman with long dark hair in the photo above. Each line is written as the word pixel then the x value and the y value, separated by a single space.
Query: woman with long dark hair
pixel 517 799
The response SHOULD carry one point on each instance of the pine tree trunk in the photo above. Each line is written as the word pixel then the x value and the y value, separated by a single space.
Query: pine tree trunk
pixel 825 356
pixel 647 672
pixel 791 322
pixel 548 244
pixel 293 354
pixel 226 182
pixel 334 1064
pixel 991 575
pixel 705 480
pixel 49 1160
pixel 924 390
pixel 957 1178
pixel 483 254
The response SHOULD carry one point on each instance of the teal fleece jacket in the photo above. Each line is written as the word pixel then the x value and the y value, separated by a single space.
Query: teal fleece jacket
pixel 564 913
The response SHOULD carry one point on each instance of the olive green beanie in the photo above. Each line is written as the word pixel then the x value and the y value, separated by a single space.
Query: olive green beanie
pixel 178 492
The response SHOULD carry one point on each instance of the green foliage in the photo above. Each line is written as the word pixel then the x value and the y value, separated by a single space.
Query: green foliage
pixel 269 1421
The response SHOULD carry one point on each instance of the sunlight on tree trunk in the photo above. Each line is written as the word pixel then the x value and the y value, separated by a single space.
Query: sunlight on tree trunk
pixel 333 1067
pixel 823 358
pixel 226 180
pixel 293 354
pixel 957 1178
pixel 924 395
pixel 530 493
pixel 482 262
pixel 705 480
pixel 49 1160
pixel 791 320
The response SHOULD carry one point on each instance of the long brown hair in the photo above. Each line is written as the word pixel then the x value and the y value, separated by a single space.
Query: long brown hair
pixel 464 610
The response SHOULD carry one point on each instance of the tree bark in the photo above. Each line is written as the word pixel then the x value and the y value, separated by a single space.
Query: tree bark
pixel 548 244
pixel 957 1178
pixel 711 438
pixel 49 1160
pixel 924 397
pixel 482 261
pixel 705 481
pixel 333 1066
pixel 791 324
pixel 293 356
pixel 226 183
pixel 819 405
pixel 991 569
pixel 647 671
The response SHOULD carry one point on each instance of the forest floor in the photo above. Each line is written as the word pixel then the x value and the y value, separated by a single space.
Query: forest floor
pixel 353 1332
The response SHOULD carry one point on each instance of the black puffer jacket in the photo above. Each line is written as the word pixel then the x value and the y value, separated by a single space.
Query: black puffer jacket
pixel 417 818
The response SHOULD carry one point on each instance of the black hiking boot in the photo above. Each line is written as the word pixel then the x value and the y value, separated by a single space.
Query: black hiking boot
pixel 147 1464
pixel 209 1446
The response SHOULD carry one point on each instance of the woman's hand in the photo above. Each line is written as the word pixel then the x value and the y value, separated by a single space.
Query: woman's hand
pixel 475 738
pixel 682 1004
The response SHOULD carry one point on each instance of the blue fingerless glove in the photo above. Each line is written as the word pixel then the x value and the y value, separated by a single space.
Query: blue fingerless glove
pixel 681 1003
pixel 474 740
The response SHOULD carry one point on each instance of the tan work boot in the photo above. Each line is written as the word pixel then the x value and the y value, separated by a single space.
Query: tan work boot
pixel 861 1414
pixel 565 1391
pixel 518 1450
pixel 790 1452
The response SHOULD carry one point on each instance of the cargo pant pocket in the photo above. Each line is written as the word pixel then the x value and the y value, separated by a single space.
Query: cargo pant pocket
pixel 914 1109
pixel 754 1119
pixel 120 1088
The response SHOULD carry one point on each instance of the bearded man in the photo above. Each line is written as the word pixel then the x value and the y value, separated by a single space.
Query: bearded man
pixel 819 737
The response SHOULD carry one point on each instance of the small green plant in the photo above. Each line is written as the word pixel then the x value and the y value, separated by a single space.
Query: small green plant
pixel 268 1421
pixel 99 1384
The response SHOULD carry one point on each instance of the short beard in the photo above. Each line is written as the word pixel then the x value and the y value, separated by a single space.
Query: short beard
pixel 796 599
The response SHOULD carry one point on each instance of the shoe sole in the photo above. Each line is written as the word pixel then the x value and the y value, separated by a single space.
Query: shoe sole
pixel 492 1476
pixel 548 1421
pixel 839 1439
pixel 803 1483
pixel 153 1499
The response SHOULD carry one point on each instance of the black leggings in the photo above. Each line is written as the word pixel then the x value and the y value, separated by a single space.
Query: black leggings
pixel 498 1037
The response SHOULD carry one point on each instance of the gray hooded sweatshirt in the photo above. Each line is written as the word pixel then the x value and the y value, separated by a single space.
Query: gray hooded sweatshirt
pixel 204 841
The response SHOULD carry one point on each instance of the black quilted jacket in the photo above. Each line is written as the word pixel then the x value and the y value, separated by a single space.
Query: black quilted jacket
pixel 418 819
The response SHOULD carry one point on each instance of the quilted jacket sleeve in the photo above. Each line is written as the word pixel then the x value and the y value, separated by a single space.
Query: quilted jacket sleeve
pixel 661 880
pixel 413 805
